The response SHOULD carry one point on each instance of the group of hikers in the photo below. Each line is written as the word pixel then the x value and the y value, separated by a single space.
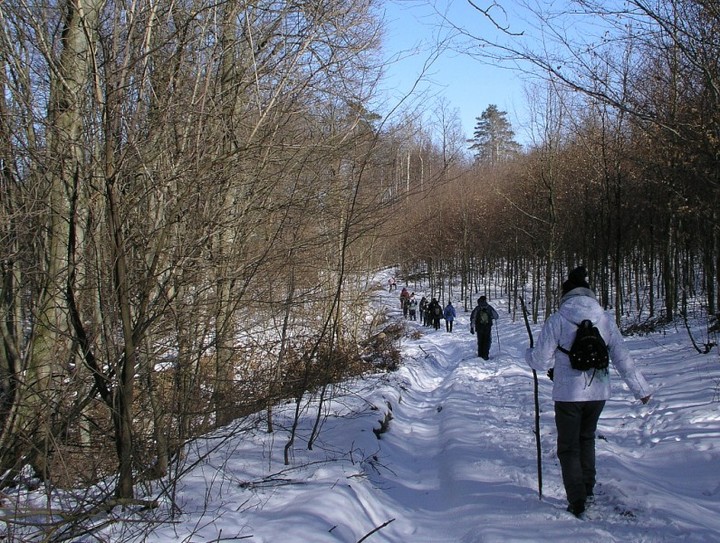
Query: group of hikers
pixel 579 394
pixel 428 311
pixel 431 313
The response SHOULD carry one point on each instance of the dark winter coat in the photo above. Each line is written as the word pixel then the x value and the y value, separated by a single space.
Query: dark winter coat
pixel 482 305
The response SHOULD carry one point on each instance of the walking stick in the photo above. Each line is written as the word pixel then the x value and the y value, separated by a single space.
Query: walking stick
pixel 537 403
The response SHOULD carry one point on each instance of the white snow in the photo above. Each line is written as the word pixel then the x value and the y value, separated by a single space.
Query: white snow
pixel 458 463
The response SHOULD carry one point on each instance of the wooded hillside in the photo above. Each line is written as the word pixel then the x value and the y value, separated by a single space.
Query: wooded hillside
pixel 193 196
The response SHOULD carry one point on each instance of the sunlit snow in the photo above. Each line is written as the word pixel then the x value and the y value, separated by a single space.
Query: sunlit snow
pixel 458 463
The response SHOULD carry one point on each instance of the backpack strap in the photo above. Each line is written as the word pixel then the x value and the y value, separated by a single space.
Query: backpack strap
pixel 560 347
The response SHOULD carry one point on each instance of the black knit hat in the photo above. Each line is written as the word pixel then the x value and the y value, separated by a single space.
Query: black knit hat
pixel 576 278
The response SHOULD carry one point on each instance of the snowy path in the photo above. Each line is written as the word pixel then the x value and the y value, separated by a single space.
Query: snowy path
pixel 458 463
pixel 474 426
pixel 464 453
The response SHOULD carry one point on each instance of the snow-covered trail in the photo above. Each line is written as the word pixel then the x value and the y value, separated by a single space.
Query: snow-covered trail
pixel 463 447
pixel 462 432
pixel 458 462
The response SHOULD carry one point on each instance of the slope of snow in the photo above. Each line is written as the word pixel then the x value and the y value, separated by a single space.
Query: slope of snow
pixel 458 462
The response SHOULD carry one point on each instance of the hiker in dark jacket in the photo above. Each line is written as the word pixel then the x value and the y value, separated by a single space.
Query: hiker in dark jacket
pixel 435 311
pixel 481 321
pixel 449 314
pixel 580 395
pixel 404 297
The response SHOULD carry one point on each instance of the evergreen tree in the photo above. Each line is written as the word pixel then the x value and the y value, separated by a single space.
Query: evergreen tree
pixel 493 140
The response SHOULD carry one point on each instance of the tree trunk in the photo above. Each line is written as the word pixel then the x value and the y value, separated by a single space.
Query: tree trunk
pixel 49 346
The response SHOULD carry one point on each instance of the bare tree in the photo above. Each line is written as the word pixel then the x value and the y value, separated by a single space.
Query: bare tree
pixel 183 155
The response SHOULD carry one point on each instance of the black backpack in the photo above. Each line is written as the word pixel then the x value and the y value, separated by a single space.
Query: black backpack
pixel 588 350
pixel 482 316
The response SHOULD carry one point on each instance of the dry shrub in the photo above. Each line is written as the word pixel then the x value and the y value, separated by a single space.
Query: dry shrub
pixel 381 350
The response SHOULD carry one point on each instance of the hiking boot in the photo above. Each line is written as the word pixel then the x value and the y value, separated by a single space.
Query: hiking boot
pixel 577 508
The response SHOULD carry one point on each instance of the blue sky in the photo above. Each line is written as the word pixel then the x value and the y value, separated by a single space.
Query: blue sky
pixel 413 28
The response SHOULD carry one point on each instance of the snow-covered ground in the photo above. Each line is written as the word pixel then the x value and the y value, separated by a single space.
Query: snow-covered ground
pixel 458 462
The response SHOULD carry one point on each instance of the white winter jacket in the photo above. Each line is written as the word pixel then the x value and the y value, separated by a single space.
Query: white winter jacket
pixel 580 386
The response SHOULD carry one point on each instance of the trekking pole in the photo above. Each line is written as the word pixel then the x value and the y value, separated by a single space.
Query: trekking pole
pixel 537 403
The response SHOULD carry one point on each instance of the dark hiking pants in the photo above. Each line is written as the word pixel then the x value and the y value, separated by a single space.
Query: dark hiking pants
pixel 576 423
pixel 484 340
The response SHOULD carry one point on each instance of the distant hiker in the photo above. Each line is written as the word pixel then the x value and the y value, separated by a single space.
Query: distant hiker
pixel 413 305
pixel 427 317
pixel 406 306
pixel 392 285
pixel 423 310
pixel 481 321
pixel 435 311
pixel 449 314
pixel 580 396
pixel 404 295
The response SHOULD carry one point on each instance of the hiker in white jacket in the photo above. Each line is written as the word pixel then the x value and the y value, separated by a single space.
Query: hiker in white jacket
pixel 580 396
